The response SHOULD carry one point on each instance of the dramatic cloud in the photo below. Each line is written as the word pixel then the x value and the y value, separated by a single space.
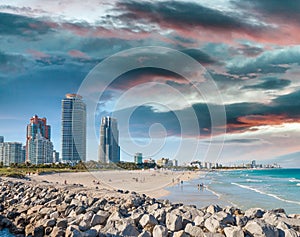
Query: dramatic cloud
pixel 269 84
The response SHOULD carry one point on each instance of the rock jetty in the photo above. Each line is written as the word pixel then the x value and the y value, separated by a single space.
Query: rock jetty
pixel 31 209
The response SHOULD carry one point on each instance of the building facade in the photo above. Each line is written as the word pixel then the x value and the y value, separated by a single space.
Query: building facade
pixel 109 149
pixel 1 139
pixel 39 147
pixel 10 152
pixel 73 129
pixel 55 156
pixel 138 158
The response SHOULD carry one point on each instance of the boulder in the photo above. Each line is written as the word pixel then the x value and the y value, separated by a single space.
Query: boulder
pixel 62 224
pixel 57 232
pixel 145 234
pixel 39 231
pixel 199 221
pixel 254 213
pixel 213 209
pixel 193 231
pixel 148 220
pixel 233 231
pixel 180 233
pixel 90 233
pixel 258 228
pixel 99 219
pixel 160 231
pixel 212 224
pixel 173 222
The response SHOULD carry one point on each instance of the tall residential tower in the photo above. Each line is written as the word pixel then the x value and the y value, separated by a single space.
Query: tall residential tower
pixel 39 148
pixel 73 129
pixel 109 149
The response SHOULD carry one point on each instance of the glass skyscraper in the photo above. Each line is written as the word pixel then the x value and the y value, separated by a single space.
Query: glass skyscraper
pixel 73 129
pixel 109 149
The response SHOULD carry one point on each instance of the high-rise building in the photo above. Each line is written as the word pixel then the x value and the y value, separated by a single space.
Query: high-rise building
pixel 10 152
pixel 55 156
pixel 138 158
pixel 73 129
pixel 39 148
pixel 1 139
pixel 109 149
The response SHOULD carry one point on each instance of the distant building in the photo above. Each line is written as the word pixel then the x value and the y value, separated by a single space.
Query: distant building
pixel 163 162
pixel 253 164
pixel 39 148
pixel 55 156
pixel 109 149
pixel 149 161
pixel 10 152
pixel 73 129
pixel 138 158
pixel 1 139
pixel 23 154
pixel 174 162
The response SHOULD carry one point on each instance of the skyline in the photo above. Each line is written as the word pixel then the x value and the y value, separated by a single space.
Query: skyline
pixel 251 49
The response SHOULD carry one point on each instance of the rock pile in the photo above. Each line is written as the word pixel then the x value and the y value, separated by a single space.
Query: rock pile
pixel 29 209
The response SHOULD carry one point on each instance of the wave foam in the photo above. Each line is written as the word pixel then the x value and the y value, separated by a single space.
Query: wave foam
pixel 254 180
pixel 264 193
pixel 293 180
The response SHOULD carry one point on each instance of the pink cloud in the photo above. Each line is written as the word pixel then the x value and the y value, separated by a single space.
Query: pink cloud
pixel 78 54
pixel 37 54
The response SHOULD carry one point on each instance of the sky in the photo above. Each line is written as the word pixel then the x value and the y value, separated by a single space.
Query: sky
pixel 242 102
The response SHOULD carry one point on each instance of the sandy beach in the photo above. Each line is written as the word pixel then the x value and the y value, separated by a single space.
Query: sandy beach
pixel 149 182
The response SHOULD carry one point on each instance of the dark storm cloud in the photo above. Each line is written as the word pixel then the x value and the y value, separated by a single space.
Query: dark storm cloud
pixel 288 9
pixel 199 55
pixel 144 75
pixel 273 61
pixel 250 50
pixel 182 14
pixel 241 117
pixel 11 24
pixel 270 83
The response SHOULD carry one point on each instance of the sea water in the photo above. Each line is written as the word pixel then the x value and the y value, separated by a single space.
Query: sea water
pixel 263 188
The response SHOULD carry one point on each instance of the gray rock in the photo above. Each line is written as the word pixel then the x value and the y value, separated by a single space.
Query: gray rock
pixel 136 215
pixel 212 224
pixel 129 231
pixel 54 215
pixel 254 213
pixel 194 231
pixel 99 219
pixel 73 231
pixel 148 220
pixel 199 221
pixel 57 232
pixel 39 231
pixel 258 228
pixel 241 220
pixel 160 231
pixel 180 233
pixel 50 223
pixel 173 222
pixel 224 218
pixel 84 225
pixel 233 231
pixel 213 209
pixel 145 234
pixel 90 233
pixel 62 224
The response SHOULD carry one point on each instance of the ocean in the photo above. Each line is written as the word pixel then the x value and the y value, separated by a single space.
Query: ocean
pixel 264 188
